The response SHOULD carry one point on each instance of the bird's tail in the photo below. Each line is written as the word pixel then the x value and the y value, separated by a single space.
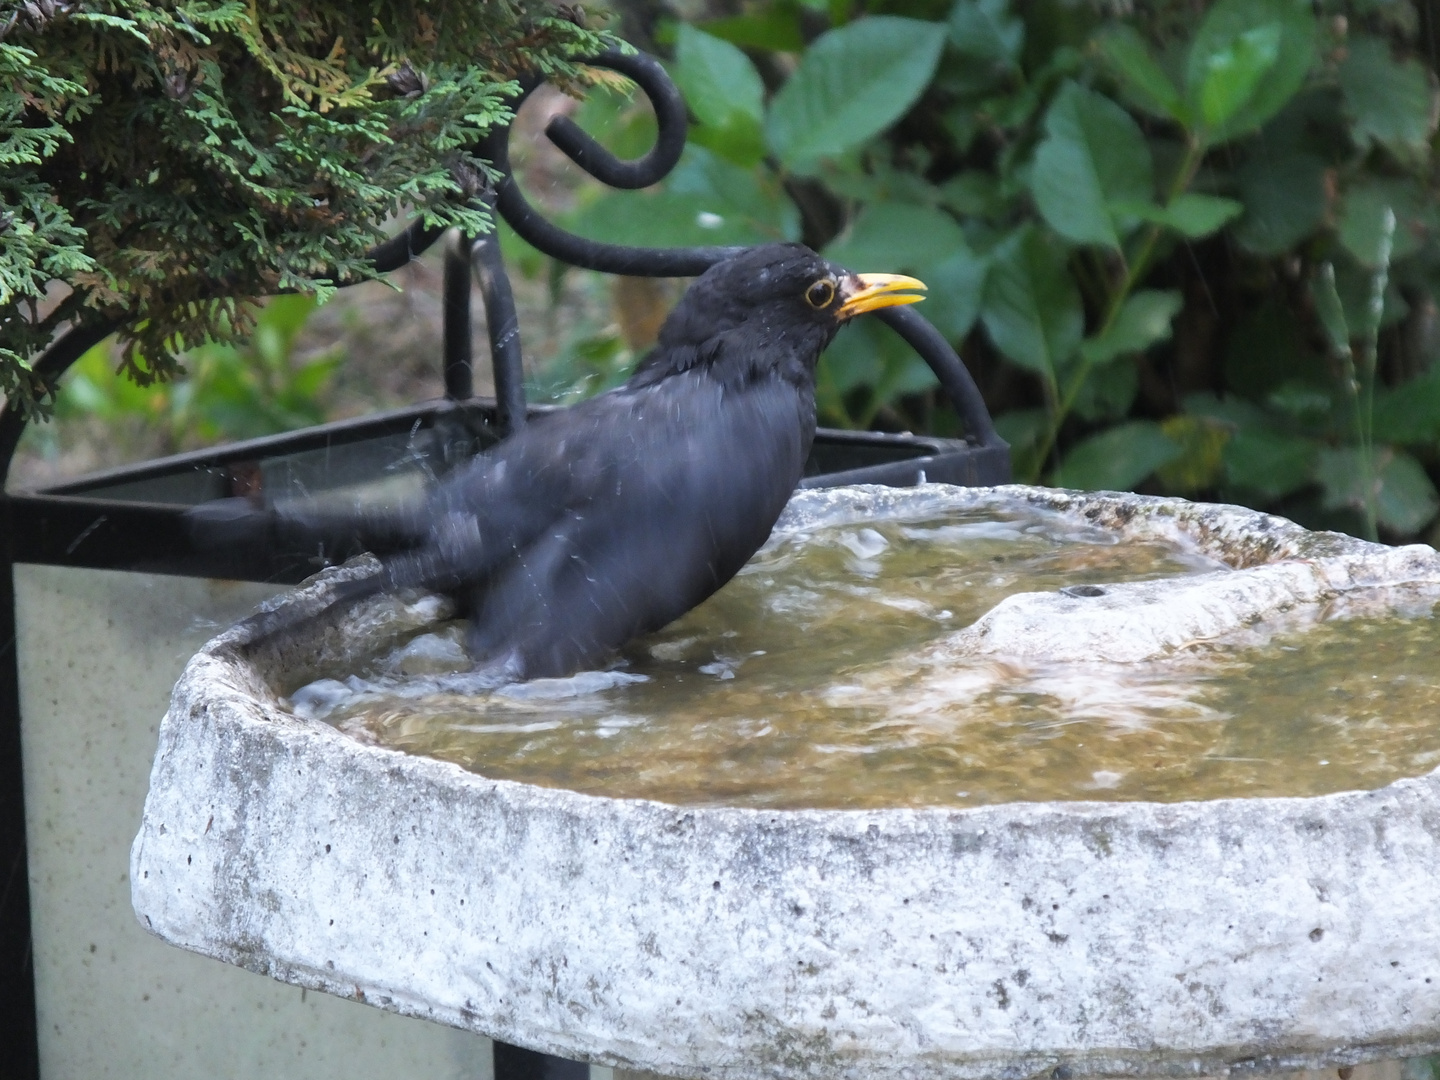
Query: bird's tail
pixel 256 532
pixel 334 530
pixel 261 629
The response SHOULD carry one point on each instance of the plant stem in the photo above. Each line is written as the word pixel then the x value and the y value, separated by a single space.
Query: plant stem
pixel 1135 270
pixel 1365 393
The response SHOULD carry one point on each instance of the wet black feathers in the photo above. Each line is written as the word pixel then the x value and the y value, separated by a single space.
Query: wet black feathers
pixel 616 516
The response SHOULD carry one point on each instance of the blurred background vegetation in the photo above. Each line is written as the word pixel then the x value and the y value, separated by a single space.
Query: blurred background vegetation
pixel 1184 247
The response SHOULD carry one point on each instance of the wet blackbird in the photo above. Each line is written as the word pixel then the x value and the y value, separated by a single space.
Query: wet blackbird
pixel 613 517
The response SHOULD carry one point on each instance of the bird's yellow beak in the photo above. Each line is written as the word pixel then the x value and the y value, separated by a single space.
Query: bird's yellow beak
pixel 868 292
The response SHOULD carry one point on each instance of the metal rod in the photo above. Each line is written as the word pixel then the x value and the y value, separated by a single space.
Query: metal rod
pixel 954 377
pixel 503 326
pixel 671 122
pixel 19 1037
pixel 53 363
pixel 517 1063
pixel 456 347
pixel 18 1034
pixel 404 246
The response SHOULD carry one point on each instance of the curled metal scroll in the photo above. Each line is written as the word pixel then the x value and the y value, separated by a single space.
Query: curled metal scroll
pixel 654 166
pixel 53 363
pixel 670 122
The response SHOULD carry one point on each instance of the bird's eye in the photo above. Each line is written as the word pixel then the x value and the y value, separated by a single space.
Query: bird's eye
pixel 820 293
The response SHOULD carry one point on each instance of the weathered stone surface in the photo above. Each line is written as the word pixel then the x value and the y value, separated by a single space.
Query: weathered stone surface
pixel 1003 941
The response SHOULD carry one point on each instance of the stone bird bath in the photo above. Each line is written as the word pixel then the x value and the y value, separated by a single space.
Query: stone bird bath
pixel 1012 940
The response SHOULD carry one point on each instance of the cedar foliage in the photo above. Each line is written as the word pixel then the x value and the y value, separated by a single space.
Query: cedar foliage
pixel 170 162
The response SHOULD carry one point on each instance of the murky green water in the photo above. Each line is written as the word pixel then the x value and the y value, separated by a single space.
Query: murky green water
pixel 797 686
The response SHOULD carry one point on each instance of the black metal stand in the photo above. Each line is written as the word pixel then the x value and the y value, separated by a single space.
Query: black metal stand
pixel 517 1063
pixel 107 521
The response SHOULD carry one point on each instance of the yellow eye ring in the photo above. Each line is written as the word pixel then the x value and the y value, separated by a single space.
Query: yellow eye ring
pixel 821 293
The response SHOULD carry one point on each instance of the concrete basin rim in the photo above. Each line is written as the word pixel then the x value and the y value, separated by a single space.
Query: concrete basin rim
pixel 834 506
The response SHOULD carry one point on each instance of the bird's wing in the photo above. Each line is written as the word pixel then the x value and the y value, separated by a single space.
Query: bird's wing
pixel 499 503
pixel 691 486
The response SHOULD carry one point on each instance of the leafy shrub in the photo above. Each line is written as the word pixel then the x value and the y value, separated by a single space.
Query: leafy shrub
pixel 169 162
pixel 230 391
pixel 1188 250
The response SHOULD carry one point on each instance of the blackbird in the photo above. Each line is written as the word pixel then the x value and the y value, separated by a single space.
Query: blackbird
pixel 611 518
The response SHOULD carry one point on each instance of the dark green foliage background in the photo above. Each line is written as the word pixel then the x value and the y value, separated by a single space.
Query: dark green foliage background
pixel 1161 234
pixel 170 162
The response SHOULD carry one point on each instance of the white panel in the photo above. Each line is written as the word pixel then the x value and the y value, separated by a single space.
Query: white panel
pixel 98 653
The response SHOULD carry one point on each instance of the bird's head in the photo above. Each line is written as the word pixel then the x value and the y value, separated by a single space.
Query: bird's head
pixel 783 295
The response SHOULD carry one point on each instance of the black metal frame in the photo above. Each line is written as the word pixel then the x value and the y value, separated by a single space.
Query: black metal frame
pixel 92 522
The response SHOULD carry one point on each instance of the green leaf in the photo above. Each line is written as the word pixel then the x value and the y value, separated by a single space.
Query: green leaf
pixel 1233 74
pixel 1193 216
pixel 1362 219
pixel 724 91
pixel 286 314
pixel 974 194
pixel 894 236
pixel 868 354
pixel 1405 498
pixel 1023 429
pixel 748 201
pixel 905 372
pixel 1286 199
pixel 1227 73
pixel 1410 413
pixel 891 236
pixel 1266 349
pixel 617 122
pixel 717 79
pixel 1201 462
pixel 957 288
pixel 1197 216
pixel 740 142
pixel 1355 286
pixel 706 200
pixel 1143 320
pixel 1142 79
pixel 1031 308
pixel 853 358
pixel 1390 102
pixel 880 181
pixel 852 84
pixel 1093 156
pixel 1302 400
pixel 1117 459
pixel 1234 412
pixel 1269 462
pixel 774 27
pixel 985 30
pixel 1344 478
pixel 312 377
pixel 1107 393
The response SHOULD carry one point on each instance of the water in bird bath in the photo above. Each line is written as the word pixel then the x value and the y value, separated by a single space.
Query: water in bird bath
pixel 807 683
